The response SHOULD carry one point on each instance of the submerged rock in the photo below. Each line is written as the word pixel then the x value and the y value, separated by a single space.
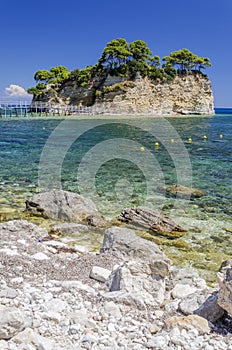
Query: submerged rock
pixel 66 206
pixel 151 220
pixel 182 192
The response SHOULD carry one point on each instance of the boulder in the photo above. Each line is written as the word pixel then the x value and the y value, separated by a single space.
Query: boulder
pixel 210 308
pixel 132 279
pixel 151 220
pixel 66 206
pixel 141 276
pixel 125 244
pixel 191 303
pixel 189 322
pixel 224 278
pixel 186 276
pixel 181 191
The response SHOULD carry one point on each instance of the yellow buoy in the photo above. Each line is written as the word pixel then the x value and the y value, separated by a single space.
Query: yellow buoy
pixel 204 137
pixel 172 140
pixel 142 149
pixel 156 144
pixel 190 139
pixel 221 136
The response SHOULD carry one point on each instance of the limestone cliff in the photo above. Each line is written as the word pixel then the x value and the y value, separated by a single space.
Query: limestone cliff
pixel 185 94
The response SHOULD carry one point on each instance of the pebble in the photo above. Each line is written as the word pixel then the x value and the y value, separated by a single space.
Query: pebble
pixel 61 313
pixel 40 256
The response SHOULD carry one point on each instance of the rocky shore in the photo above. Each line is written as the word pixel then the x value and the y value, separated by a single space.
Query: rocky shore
pixel 128 295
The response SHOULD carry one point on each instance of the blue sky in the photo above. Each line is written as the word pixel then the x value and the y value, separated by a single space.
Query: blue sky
pixel 43 34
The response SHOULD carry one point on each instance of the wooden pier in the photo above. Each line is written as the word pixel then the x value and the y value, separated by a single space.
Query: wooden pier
pixel 29 109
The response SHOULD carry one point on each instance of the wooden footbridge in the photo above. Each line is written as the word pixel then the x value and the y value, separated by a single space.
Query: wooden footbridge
pixel 30 109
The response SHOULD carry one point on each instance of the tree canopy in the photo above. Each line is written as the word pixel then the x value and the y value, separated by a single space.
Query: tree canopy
pixel 115 53
pixel 140 51
pixel 186 60
pixel 56 75
pixel 125 59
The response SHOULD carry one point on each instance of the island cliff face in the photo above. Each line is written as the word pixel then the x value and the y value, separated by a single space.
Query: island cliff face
pixel 190 94
pixel 185 94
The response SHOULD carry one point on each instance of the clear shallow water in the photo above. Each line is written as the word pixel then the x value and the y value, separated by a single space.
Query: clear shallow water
pixel 117 157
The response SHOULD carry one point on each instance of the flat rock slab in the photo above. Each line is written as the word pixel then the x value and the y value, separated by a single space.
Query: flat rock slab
pixel 66 206
pixel 69 229
pixel 151 220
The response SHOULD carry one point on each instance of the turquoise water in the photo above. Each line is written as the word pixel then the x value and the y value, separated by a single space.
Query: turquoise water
pixel 120 179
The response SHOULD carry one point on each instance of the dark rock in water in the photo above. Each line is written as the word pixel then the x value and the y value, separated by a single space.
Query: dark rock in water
pixel 182 192
pixel 152 220
pixel 66 206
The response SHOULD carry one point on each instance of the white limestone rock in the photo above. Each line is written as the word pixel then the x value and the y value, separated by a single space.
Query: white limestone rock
pixel 112 309
pixel 130 278
pixel 40 256
pixel 29 336
pixel 12 321
pixel 182 290
pixel 99 273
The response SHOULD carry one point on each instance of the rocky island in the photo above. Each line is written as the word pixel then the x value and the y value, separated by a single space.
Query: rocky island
pixel 127 79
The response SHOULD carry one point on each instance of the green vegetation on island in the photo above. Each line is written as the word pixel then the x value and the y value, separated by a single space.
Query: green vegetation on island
pixel 123 59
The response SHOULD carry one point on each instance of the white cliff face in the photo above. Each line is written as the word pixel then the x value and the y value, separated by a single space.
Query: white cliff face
pixel 187 94
pixel 190 94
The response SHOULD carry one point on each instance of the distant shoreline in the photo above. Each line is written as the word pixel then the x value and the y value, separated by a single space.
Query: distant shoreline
pixel 107 116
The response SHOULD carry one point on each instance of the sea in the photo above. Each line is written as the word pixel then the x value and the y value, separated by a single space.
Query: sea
pixel 125 162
